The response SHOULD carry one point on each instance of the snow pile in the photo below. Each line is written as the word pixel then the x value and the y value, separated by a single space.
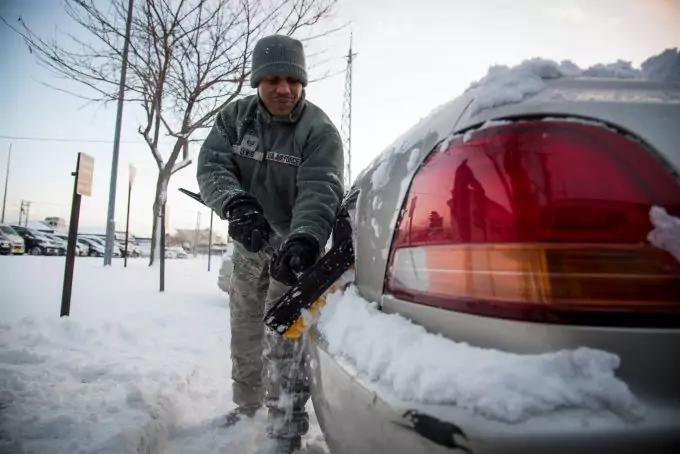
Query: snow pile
pixel 505 85
pixel 620 69
pixel 663 67
pixel 666 232
pixel 419 366
pixel 131 370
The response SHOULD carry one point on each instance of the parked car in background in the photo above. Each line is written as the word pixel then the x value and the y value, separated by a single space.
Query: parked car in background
pixel 36 243
pixel 101 241
pixel 60 243
pixel 516 218
pixel 82 249
pixel 95 249
pixel 18 243
pixel 5 244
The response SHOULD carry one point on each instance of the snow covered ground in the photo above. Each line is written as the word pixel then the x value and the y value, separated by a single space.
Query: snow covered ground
pixel 131 370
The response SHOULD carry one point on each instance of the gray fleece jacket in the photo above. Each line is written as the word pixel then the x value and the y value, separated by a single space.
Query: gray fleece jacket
pixel 292 167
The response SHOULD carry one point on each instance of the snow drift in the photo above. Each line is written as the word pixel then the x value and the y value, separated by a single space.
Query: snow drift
pixel 426 368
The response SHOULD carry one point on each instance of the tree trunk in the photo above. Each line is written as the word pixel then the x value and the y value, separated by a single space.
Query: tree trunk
pixel 160 199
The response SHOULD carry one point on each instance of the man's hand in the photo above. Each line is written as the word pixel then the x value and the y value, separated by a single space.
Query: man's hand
pixel 248 226
pixel 296 255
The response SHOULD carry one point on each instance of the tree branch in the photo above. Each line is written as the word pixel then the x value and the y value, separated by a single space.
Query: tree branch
pixel 187 59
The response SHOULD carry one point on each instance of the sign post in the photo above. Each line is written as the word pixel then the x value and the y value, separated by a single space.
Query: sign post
pixel 81 187
pixel 133 172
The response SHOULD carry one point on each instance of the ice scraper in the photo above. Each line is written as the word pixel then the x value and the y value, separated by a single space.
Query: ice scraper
pixel 294 313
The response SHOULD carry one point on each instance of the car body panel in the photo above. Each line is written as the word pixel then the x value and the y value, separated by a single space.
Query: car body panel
pixel 366 419
pixel 359 419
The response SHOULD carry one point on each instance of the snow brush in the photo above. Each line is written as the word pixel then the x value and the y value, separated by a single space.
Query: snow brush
pixel 296 311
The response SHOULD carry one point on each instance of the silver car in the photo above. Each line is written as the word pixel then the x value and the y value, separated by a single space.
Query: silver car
pixel 519 224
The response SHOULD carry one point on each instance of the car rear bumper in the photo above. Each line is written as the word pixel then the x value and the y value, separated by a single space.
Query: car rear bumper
pixel 358 417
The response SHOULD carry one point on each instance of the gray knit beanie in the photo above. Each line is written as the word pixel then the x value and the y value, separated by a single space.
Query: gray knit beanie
pixel 278 55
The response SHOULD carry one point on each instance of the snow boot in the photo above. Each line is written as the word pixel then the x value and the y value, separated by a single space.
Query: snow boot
pixel 280 446
pixel 236 415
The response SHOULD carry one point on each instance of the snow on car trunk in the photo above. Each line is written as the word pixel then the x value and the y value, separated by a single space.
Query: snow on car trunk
pixel 666 232
pixel 131 370
pixel 419 366
pixel 507 85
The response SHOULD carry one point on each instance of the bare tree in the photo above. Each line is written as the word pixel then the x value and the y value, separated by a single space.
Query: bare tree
pixel 187 60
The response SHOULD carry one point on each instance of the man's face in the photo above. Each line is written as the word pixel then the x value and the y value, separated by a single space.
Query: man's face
pixel 279 94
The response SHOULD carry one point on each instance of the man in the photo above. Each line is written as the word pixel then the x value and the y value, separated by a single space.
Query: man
pixel 272 166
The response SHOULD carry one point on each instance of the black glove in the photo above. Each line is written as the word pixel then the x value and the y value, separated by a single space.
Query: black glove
pixel 248 226
pixel 296 255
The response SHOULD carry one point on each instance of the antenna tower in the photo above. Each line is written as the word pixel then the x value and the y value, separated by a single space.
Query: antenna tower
pixel 347 117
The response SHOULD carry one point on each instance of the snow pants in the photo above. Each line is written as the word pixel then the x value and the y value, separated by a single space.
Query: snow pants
pixel 266 367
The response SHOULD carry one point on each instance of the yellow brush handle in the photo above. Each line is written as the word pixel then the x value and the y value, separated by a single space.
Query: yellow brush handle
pixel 298 328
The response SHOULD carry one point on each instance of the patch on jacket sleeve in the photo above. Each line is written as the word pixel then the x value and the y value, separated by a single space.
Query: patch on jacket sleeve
pixel 284 158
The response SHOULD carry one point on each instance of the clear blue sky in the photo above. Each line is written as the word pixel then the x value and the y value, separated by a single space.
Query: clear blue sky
pixel 413 56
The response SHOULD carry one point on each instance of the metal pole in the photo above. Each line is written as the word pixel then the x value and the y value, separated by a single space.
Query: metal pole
pixel 28 209
pixel 210 238
pixel 162 249
pixel 4 199
pixel 71 248
pixel 127 225
pixel 111 224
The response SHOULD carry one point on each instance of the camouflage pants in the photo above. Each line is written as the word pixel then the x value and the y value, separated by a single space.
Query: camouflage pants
pixel 265 366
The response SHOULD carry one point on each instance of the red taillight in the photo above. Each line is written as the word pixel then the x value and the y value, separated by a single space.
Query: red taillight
pixel 540 220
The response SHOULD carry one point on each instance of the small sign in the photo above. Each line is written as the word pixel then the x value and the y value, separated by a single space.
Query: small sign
pixel 85 174
pixel 133 172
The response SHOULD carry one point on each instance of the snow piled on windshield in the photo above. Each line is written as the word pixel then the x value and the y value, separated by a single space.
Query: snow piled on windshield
pixel 419 366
